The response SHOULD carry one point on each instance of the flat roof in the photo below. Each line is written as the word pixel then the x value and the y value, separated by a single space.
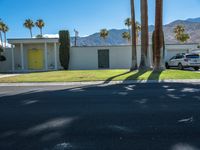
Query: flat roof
pixel 32 40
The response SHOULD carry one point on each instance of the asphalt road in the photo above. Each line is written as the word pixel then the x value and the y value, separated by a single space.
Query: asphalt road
pixel 114 117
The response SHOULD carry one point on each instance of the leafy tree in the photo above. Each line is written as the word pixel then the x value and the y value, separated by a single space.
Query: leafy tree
pixel 40 24
pixel 29 24
pixel 126 35
pixel 180 34
pixel 39 36
pixel 144 35
pixel 2 58
pixel 64 49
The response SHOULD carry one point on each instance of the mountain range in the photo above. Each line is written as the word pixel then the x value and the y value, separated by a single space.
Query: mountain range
pixel 192 27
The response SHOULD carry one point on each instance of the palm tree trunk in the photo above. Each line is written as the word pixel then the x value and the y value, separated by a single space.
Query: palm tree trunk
pixel 41 31
pixel 144 35
pixel 137 37
pixel 1 39
pixel 134 49
pixel 5 40
pixel 129 31
pixel 31 33
pixel 159 37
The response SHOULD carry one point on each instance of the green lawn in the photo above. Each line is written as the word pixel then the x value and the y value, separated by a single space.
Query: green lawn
pixel 99 75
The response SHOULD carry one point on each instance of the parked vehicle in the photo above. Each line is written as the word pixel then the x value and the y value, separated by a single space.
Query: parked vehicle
pixel 182 61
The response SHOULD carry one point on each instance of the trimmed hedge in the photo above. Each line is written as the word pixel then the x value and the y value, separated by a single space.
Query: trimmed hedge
pixel 64 49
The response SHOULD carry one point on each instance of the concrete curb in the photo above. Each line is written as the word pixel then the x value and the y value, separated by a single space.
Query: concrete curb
pixel 192 81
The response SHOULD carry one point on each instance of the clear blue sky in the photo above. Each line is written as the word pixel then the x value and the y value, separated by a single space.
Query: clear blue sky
pixel 87 16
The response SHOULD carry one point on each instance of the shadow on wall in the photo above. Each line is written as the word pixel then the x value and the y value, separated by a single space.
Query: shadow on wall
pixel 114 117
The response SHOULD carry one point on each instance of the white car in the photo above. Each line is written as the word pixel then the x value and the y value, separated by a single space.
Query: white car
pixel 182 61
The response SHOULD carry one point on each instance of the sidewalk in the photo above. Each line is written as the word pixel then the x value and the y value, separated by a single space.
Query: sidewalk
pixel 8 75
pixel 192 81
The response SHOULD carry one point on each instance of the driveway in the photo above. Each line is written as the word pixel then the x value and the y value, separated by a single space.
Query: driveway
pixel 164 116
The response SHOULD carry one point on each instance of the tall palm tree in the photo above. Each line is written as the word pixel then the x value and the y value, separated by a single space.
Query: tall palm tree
pixel 5 29
pixel 133 33
pixel 159 37
pixel 128 23
pixel 40 24
pixel 1 26
pixel 104 34
pixel 138 29
pixel 144 35
pixel 29 24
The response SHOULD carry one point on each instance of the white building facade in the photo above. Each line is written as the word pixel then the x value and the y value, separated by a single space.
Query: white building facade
pixel 31 55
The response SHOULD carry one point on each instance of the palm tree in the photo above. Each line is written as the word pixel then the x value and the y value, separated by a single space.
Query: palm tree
pixel 180 34
pixel 144 34
pixel 40 24
pixel 5 29
pixel 138 29
pixel 133 33
pixel 29 24
pixel 159 37
pixel 126 35
pixel 128 23
pixel 104 34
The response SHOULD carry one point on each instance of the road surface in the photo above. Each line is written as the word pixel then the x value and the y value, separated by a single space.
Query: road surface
pixel 163 116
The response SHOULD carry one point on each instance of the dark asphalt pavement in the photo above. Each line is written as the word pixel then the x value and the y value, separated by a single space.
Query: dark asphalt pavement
pixel 164 116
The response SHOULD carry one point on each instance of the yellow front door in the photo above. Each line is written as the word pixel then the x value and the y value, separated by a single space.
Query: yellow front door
pixel 35 59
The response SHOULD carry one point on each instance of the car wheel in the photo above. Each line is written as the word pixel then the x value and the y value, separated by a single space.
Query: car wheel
pixel 180 66
pixel 167 66
pixel 196 68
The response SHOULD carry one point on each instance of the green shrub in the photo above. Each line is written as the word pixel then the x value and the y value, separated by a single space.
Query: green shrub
pixel 64 49
pixel 1 49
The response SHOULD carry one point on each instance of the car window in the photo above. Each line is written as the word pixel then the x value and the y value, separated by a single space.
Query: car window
pixel 193 56
pixel 173 58
pixel 179 57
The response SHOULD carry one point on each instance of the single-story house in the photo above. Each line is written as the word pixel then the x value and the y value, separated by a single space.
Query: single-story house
pixel 29 55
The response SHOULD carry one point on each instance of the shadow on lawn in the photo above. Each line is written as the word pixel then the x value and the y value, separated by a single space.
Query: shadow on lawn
pixel 131 77
pixel 113 117
pixel 136 75
pixel 155 75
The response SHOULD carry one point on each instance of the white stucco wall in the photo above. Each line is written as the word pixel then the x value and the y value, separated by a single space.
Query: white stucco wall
pixel 86 58
pixel 6 66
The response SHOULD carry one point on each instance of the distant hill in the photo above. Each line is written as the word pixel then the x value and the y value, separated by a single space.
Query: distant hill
pixel 193 19
pixel 192 27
